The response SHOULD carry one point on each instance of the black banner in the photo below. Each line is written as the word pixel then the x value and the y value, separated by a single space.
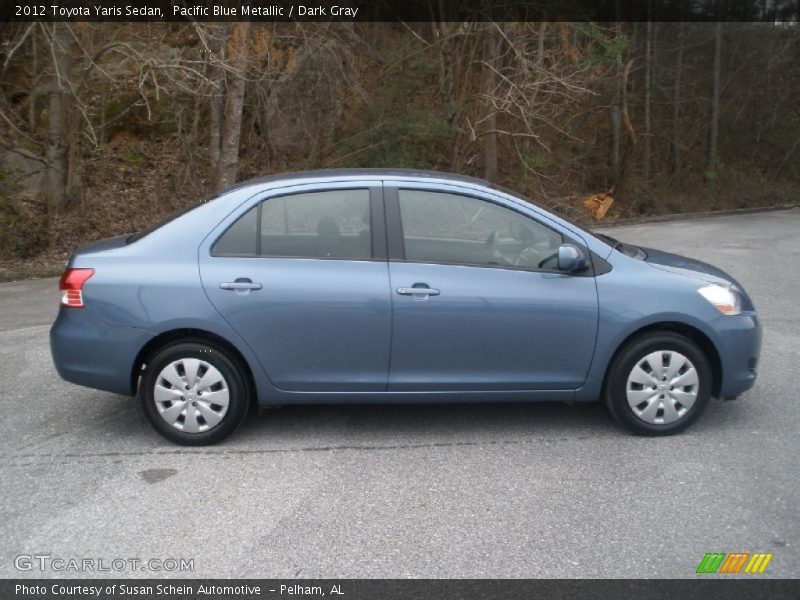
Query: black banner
pixel 399 589
pixel 399 10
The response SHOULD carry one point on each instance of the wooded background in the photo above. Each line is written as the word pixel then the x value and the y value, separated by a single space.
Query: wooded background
pixel 106 128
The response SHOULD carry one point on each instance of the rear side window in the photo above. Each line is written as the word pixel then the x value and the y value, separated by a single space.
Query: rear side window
pixel 241 238
pixel 331 224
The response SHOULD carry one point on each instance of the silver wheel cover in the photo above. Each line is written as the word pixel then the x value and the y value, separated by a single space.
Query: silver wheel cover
pixel 662 387
pixel 191 395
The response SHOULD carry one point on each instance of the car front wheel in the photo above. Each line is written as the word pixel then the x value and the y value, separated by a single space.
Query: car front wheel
pixel 194 393
pixel 658 384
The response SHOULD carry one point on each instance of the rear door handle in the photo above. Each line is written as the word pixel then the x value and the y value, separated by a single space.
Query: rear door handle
pixel 240 285
pixel 418 291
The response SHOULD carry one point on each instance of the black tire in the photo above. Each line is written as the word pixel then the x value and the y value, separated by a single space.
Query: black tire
pixel 629 356
pixel 234 377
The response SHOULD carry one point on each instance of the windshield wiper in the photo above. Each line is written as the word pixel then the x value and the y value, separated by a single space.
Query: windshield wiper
pixel 615 243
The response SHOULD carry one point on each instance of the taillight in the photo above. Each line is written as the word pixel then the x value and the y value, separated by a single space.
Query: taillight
pixel 71 286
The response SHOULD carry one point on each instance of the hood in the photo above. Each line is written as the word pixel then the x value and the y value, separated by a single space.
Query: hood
pixel 696 269
pixel 689 267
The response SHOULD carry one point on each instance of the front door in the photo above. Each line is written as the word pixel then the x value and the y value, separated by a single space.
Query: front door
pixel 478 301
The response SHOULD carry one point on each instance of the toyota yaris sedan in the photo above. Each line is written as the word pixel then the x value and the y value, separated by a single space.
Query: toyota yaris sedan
pixel 370 286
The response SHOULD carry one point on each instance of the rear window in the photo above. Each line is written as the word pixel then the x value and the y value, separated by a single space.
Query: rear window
pixel 179 213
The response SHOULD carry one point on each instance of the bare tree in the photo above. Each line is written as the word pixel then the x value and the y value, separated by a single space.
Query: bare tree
pixel 648 79
pixel 536 83
pixel 615 108
pixel 444 37
pixel 675 147
pixel 216 76
pixel 238 45
pixel 58 139
pixel 713 130
pixel 491 63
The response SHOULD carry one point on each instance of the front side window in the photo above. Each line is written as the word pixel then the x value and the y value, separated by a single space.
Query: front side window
pixel 450 228
pixel 331 224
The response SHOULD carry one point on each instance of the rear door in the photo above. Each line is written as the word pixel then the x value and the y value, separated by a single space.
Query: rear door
pixel 478 301
pixel 302 277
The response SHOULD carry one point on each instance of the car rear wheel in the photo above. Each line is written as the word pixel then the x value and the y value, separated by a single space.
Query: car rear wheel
pixel 658 384
pixel 194 393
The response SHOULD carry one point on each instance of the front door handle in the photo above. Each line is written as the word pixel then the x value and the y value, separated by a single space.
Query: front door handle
pixel 240 285
pixel 418 290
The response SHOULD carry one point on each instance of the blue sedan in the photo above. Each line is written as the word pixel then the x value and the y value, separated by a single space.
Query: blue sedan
pixel 359 286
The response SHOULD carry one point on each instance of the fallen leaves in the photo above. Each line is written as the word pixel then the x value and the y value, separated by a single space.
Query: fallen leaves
pixel 598 205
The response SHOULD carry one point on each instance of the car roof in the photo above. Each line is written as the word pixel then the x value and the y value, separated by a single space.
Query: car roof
pixel 416 175
pixel 333 174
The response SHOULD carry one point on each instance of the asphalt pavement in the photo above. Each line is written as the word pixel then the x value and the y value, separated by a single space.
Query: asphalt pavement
pixel 481 490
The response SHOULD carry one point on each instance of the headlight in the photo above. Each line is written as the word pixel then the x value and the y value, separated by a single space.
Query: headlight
pixel 725 299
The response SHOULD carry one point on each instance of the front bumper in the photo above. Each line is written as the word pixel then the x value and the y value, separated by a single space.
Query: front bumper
pixel 94 354
pixel 739 346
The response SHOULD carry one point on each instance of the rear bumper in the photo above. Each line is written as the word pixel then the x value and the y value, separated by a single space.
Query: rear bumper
pixel 93 354
pixel 739 346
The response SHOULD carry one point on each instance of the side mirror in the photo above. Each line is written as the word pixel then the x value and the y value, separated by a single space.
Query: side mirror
pixel 571 258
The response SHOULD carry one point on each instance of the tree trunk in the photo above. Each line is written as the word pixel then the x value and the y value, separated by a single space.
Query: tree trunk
pixel 57 152
pixel 713 130
pixel 615 113
pixel 238 46
pixel 214 128
pixel 648 79
pixel 444 35
pixel 32 96
pixel 489 82
pixel 784 161
pixel 615 110
pixel 675 146
pixel 216 75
